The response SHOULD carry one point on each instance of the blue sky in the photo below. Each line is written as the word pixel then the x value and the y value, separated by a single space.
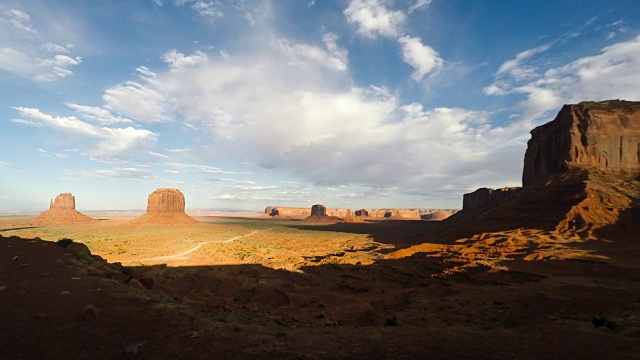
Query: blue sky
pixel 244 104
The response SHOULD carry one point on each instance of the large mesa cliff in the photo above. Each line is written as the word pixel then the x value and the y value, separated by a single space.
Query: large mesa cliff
pixel 599 135
pixel 581 173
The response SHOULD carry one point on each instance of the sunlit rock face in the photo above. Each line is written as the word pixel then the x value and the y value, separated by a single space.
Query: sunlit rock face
pixel 166 200
pixel 165 207
pixel 63 201
pixel 602 135
pixel 287 212
pixel 62 211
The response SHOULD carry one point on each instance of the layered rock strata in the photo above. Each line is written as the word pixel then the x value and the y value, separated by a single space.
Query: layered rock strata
pixel 601 135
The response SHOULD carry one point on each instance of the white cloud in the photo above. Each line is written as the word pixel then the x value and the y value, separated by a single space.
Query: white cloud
pixel 611 74
pixel 137 101
pixel 112 141
pixel 159 156
pixel 207 9
pixel 19 20
pixel 96 114
pixel 178 60
pixel 418 4
pixel 33 53
pixel 32 66
pixel 421 57
pixel 55 48
pixel 299 118
pixel 333 56
pixel 515 67
pixel 373 18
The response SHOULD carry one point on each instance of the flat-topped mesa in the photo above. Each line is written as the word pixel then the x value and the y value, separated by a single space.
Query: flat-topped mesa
pixel 166 200
pixel 387 214
pixel 342 213
pixel 603 135
pixel 485 196
pixel 165 207
pixel 283 212
pixel 318 210
pixel 63 201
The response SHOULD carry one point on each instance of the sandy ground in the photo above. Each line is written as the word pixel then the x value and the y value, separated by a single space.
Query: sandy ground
pixel 237 287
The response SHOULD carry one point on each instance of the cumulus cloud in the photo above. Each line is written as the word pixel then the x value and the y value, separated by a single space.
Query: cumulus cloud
pixel 610 74
pixel 373 18
pixel 421 57
pixel 332 56
pixel 283 108
pixel 179 61
pixel 137 101
pixel 112 141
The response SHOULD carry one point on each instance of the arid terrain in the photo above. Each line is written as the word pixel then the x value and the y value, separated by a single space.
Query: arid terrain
pixel 546 271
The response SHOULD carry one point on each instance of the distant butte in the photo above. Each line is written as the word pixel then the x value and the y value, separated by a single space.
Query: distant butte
pixel 165 207
pixel 62 211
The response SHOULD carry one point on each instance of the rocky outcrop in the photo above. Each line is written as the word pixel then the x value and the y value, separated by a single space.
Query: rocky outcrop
pixel 62 211
pixel 321 215
pixel 342 213
pixel 166 200
pixel 396 214
pixel 165 207
pixel 318 210
pixel 485 196
pixel 387 214
pixel 437 215
pixel 283 212
pixel 603 135
pixel 63 201
pixel 362 213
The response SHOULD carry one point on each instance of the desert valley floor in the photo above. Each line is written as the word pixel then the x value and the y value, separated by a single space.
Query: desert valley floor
pixel 247 288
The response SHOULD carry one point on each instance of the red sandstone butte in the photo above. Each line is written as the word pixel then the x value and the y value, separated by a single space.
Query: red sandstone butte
pixel 165 207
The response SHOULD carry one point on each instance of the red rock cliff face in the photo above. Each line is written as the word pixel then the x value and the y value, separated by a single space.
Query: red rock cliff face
pixel 63 201
pixel 166 200
pixel 602 135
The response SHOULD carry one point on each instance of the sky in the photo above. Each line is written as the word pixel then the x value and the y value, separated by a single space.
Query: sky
pixel 243 104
